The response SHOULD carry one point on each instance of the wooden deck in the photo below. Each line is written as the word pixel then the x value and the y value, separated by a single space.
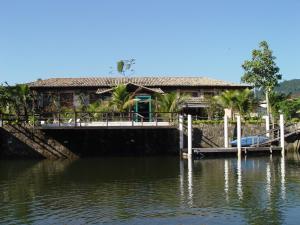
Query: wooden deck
pixel 245 150
pixel 108 125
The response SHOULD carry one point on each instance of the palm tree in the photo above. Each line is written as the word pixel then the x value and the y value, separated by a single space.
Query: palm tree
pixel 121 100
pixel 245 102
pixel 171 102
pixel 15 99
pixel 238 101
pixel 226 100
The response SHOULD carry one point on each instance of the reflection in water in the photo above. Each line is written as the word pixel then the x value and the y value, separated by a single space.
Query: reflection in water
pixel 181 167
pixel 226 178
pixel 190 181
pixel 150 190
pixel 268 179
pixel 239 178
pixel 282 172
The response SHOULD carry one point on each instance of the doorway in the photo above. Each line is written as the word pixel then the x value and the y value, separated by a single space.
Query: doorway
pixel 143 108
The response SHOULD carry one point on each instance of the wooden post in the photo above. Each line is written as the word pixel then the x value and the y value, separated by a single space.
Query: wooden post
pixel 190 133
pixel 75 118
pixel 239 135
pixel 59 118
pixel 281 122
pixel 180 132
pixel 225 131
pixel 267 119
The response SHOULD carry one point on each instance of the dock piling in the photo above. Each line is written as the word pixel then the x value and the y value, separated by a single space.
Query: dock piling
pixel 225 131
pixel 180 132
pixel 267 119
pixel 239 135
pixel 281 123
pixel 190 150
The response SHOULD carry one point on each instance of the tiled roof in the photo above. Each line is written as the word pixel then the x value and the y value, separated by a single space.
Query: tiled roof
pixel 143 81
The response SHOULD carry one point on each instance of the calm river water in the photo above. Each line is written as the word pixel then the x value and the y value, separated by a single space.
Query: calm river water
pixel 152 190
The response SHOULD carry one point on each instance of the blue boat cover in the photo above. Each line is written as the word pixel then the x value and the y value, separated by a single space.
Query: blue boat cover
pixel 250 140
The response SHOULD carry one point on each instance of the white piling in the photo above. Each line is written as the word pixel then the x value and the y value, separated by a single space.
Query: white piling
pixel 190 150
pixel 180 132
pixel 239 135
pixel 225 131
pixel 267 119
pixel 281 122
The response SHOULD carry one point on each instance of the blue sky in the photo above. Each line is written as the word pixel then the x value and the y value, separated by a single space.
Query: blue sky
pixel 64 38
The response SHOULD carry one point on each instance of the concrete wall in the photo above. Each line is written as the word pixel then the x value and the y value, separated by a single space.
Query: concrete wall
pixel 100 142
pixel 12 147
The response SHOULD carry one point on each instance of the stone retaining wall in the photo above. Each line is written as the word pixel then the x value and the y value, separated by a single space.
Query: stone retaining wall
pixel 212 135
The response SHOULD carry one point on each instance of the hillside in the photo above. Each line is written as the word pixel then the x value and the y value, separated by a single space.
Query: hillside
pixel 290 86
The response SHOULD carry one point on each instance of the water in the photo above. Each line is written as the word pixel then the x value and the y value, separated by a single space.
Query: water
pixel 155 190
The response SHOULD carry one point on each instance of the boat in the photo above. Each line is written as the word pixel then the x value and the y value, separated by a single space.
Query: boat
pixel 250 140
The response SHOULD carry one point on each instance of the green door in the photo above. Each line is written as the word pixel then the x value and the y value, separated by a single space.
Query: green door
pixel 143 108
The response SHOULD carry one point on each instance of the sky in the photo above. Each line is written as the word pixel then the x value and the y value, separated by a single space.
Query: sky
pixel 76 38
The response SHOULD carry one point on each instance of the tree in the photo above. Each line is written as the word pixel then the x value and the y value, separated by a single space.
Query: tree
pixel 262 71
pixel 280 102
pixel 238 101
pixel 171 102
pixel 125 65
pixel 121 99
pixel 16 99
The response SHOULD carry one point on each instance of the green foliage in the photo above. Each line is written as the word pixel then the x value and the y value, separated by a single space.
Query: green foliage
pixel 121 100
pixel 125 65
pixel 261 70
pixel 289 87
pixel 214 110
pixel 239 101
pixel 171 102
pixel 195 122
pixel 282 103
pixel 15 99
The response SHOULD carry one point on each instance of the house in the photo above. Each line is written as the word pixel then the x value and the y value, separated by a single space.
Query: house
pixel 72 92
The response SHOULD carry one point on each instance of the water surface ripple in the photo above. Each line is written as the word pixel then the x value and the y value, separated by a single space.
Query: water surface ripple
pixel 152 190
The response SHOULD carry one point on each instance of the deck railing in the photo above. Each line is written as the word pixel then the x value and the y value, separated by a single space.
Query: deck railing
pixel 83 119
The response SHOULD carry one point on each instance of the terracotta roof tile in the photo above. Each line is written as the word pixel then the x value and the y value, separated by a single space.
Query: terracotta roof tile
pixel 143 81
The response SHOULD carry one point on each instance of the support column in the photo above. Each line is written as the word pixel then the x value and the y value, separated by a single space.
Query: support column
pixel 267 119
pixel 190 133
pixel 180 132
pixel 225 131
pixel 281 122
pixel 239 135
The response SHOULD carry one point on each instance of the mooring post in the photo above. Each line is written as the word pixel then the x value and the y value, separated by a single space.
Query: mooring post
pixel 281 123
pixel 180 132
pixel 225 131
pixel 267 119
pixel 239 135
pixel 190 150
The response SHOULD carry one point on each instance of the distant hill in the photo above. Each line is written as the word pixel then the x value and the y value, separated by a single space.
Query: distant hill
pixel 290 86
